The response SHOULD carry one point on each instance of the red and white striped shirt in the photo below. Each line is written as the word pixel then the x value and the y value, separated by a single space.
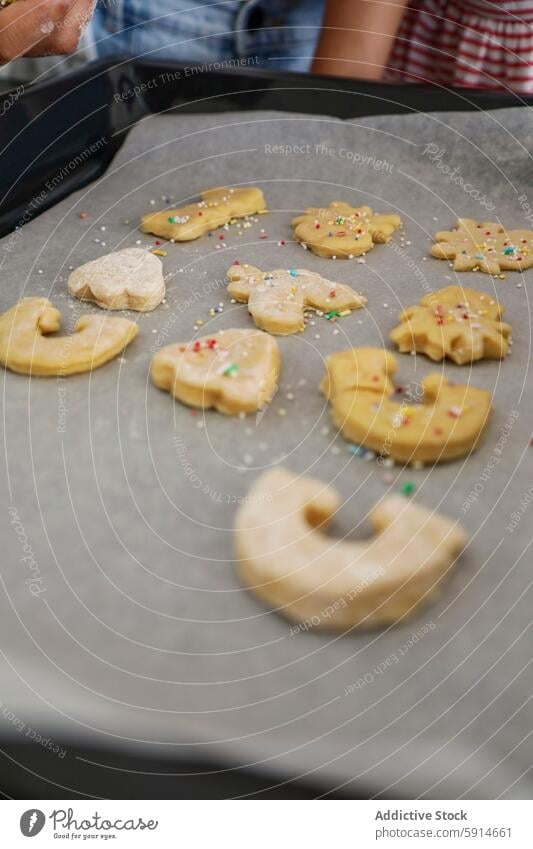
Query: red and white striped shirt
pixel 474 43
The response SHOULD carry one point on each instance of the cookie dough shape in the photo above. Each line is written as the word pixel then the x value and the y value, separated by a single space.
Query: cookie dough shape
pixel 448 424
pixel 25 348
pixel 131 279
pixel 460 324
pixel 340 231
pixel 484 246
pixel 285 558
pixel 217 207
pixel 277 299
pixel 234 371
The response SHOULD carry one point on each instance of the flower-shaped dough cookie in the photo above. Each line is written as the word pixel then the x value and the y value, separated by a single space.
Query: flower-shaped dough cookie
pixel 277 299
pixel 484 246
pixel 234 371
pixel 25 347
pixel 448 423
pixel 131 279
pixel 286 559
pixel 461 324
pixel 340 231
pixel 217 207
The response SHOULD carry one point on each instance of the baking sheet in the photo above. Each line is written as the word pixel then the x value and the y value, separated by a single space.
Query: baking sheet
pixel 140 634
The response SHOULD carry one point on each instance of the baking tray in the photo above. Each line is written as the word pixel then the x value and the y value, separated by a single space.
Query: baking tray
pixel 54 122
pixel 104 406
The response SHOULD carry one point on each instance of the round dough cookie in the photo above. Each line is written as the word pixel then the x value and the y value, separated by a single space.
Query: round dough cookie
pixel 285 558
pixel 131 279
pixel 484 246
pixel 461 324
pixel 25 348
pixel 277 299
pixel 340 231
pixel 448 424
pixel 217 207
pixel 234 371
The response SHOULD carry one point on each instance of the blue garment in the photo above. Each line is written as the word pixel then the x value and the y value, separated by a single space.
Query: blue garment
pixel 265 33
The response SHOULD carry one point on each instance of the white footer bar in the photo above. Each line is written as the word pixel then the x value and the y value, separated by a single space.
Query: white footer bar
pixel 267 824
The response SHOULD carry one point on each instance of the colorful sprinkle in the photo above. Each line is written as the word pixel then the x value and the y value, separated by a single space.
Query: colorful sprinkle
pixel 231 370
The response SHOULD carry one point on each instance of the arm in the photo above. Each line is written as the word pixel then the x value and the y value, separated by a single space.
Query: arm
pixel 42 27
pixel 357 37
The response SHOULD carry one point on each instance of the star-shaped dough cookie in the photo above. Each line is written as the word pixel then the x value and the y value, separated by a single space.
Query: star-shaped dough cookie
pixel 341 231
pixel 484 246
pixel 277 299
pixel 217 207
pixel 234 371
pixel 461 324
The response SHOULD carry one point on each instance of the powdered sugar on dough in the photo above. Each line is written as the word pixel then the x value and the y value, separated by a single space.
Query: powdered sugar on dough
pixel 131 279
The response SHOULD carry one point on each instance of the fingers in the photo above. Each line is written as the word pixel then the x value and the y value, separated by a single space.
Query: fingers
pixel 20 28
pixel 66 32
pixel 41 27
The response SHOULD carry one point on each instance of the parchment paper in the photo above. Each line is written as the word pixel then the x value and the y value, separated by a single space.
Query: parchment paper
pixel 140 634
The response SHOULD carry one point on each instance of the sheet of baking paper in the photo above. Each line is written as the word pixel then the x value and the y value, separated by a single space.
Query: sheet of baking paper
pixel 122 621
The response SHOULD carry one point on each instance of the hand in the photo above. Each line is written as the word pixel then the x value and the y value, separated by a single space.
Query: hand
pixel 42 27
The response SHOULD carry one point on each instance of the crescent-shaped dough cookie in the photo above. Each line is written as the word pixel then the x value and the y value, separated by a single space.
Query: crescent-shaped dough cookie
pixel 461 324
pixel 484 246
pixel 341 231
pixel 277 299
pixel 284 557
pixel 217 207
pixel 25 348
pixel 234 371
pixel 448 424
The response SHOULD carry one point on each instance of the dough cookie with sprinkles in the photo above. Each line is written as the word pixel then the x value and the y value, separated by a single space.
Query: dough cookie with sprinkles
pixel 216 208
pixel 460 324
pixel 233 371
pixel 341 231
pixel 277 299
pixel 447 425
pixel 484 246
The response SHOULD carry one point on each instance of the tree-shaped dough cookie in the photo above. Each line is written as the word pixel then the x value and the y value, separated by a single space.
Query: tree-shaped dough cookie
pixel 484 246
pixel 341 231
pixel 277 299
pixel 460 324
